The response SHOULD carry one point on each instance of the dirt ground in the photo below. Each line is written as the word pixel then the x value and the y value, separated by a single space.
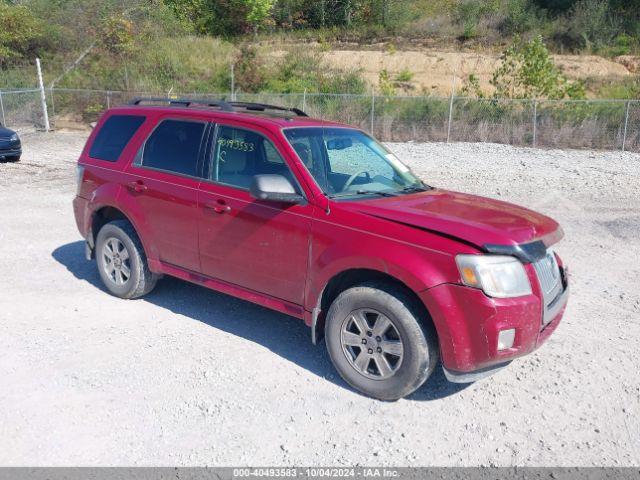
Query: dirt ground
pixel 188 376
pixel 432 70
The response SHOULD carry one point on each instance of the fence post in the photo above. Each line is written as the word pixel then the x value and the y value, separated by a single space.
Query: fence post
pixel 535 121
pixel 233 83
pixel 2 109
pixel 108 99
pixel 626 125
pixel 453 92
pixel 304 100
pixel 373 109
pixel 53 107
pixel 43 97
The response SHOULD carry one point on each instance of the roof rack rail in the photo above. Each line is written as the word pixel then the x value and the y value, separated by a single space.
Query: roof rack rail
pixel 261 107
pixel 221 104
pixel 183 102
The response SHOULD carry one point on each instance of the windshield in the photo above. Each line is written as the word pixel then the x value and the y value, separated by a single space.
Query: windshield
pixel 347 162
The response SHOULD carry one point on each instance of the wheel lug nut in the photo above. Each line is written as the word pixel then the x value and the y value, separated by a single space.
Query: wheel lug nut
pixel 379 350
pixel 364 341
pixel 369 334
pixel 378 339
pixel 370 351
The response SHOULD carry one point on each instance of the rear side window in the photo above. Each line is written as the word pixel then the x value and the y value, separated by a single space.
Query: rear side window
pixel 174 146
pixel 114 136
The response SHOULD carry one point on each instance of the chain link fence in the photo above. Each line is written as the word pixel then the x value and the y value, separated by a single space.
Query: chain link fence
pixel 21 108
pixel 581 124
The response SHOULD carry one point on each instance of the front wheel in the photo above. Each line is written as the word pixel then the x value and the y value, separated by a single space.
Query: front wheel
pixel 378 343
pixel 122 263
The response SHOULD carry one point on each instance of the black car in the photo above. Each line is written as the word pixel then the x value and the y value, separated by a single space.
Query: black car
pixel 10 146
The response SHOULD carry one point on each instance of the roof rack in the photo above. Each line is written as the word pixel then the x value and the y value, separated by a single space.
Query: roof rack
pixel 183 102
pixel 261 107
pixel 221 104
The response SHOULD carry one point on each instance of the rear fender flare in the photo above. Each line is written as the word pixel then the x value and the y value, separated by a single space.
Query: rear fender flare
pixel 114 196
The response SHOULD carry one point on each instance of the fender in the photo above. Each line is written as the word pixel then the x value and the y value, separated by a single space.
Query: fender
pixel 113 195
pixel 104 196
pixel 417 268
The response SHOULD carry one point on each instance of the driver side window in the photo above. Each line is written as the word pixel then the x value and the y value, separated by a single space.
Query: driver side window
pixel 239 154
pixel 349 156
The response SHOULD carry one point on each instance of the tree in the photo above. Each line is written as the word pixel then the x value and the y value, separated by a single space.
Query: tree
pixel 249 69
pixel 528 71
pixel 258 12
pixel 116 35
pixel 21 33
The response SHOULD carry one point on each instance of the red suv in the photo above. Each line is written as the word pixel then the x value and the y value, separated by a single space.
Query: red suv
pixel 319 221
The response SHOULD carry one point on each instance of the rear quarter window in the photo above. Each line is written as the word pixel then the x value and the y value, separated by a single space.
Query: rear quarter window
pixel 114 136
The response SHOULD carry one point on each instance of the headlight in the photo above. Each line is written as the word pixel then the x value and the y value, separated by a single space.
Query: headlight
pixel 497 275
pixel 13 138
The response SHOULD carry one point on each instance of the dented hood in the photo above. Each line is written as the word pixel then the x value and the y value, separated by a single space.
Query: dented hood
pixel 476 220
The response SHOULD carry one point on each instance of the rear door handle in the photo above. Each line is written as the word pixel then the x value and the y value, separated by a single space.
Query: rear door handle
pixel 137 186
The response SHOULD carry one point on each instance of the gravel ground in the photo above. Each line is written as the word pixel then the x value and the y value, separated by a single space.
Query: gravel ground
pixel 188 376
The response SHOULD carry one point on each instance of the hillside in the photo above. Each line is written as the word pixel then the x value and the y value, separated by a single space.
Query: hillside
pixel 432 71
pixel 579 47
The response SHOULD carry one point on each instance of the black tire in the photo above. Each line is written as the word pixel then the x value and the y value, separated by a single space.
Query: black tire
pixel 140 279
pixel 419 353
pixel 14 159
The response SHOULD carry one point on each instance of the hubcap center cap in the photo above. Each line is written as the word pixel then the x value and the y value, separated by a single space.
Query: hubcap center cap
pixel 372 345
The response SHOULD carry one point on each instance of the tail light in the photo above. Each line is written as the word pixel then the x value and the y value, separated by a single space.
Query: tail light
pixel 79 177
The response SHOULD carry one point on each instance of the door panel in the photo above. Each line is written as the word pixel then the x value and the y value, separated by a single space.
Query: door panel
pixel 262 246
pixel 164 180
pixel 170 206
pixel 257 245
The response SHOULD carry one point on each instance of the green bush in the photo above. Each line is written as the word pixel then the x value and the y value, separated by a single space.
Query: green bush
pixel 623 44
pixel 385 84
pixel 302 69
pixel 589 25
pixel 404 76
pixel 116 35
pixel 249 70
pixel 468 15
pixel 528 71
pixel 521 16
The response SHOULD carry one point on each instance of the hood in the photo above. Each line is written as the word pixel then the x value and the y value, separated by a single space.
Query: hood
pixel 476 220
pixel 5 132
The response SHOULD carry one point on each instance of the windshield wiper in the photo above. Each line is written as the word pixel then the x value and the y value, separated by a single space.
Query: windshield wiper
pixel 363 192
pixel 416 188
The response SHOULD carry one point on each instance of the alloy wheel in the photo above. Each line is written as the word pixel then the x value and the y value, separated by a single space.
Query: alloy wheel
pixel 116 261
pixel 371 343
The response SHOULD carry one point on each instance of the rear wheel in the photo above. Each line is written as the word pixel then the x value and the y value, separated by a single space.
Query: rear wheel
pixel 377 342
pixel 15 158
pixel 122 263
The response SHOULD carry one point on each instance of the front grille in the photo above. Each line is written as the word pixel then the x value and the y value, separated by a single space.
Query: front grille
pixel 549 277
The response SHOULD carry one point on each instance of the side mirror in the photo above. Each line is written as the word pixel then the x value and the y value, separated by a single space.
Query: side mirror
pixel 274 188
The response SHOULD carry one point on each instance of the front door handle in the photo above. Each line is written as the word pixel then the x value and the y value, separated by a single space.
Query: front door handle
pixel 137 186
pixel 219 207
pixel 222 209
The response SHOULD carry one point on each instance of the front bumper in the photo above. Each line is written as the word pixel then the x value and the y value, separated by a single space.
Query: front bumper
pixel 468 323
pixel 10 152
